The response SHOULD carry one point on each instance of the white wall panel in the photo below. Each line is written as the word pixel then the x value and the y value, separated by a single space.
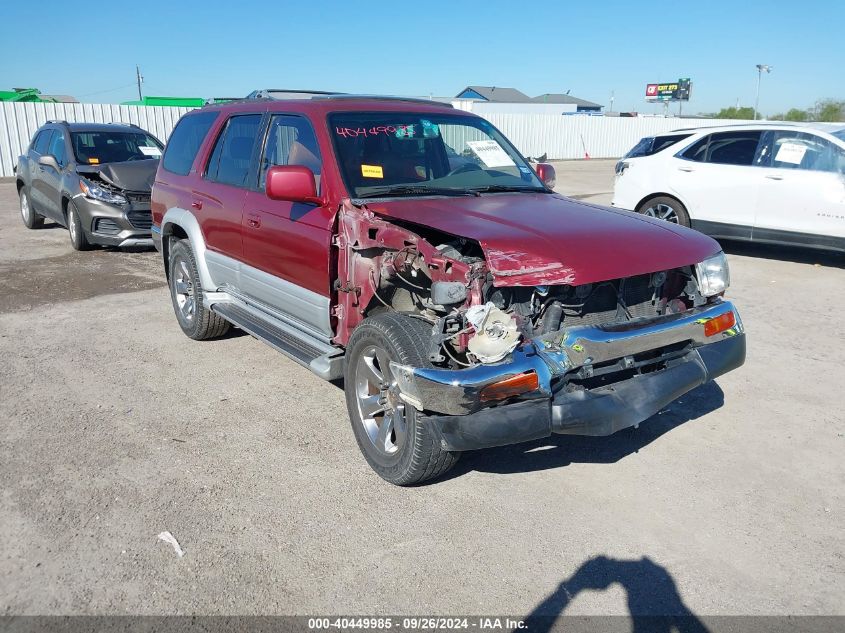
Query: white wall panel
pixel 19 121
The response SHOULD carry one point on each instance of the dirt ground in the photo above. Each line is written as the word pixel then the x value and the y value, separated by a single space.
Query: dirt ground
pixel 114 427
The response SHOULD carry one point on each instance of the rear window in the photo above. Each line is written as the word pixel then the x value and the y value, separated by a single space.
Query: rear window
pixel 185 141
pixel 653 144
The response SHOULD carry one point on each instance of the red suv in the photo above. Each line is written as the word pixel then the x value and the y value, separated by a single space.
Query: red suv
pixel 409 249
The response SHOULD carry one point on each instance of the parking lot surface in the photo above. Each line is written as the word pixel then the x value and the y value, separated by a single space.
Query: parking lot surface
pixel 115 427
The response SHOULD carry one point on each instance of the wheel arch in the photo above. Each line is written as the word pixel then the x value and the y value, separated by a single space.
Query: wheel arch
pixel 181 224
pixel 660 194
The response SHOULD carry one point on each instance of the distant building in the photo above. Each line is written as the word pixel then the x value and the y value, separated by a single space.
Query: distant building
pixel 582 105
pixel 496 99
pixel 33 95
pixel 494 94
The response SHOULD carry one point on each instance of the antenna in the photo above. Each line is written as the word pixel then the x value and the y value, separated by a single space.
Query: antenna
pixel 140 79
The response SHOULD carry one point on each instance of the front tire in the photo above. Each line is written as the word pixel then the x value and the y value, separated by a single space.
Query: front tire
pixel 195 319
pixel 401 447
pixel 30 218
pixel 78 239
pixel 665 208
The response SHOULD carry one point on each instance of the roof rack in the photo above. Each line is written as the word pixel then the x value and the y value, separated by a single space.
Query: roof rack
pixel 386 98
pixel 60 121
pixel 280 95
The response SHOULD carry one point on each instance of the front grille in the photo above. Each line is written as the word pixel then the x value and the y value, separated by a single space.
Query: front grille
pixel 105 226
pixel 138 198
pixel 140 219
pixel 603 305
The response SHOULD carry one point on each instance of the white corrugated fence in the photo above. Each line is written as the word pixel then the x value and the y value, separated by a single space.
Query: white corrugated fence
pixel 19 121
pixel 559 137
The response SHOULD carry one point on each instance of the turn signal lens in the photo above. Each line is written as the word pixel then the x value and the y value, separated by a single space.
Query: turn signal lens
pixel 509 387
pixel 719 324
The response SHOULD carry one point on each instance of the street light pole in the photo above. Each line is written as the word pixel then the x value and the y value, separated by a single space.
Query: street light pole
pixel 760 69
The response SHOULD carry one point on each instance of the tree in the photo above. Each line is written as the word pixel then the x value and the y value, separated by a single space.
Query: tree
pixel 735 113
pixel 830 110
pixel 795 114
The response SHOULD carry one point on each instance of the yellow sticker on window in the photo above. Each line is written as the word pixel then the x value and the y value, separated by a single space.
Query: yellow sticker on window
pixel 94 161
pixel 372 171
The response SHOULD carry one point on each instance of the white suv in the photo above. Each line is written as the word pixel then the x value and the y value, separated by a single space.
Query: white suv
pixel 782 183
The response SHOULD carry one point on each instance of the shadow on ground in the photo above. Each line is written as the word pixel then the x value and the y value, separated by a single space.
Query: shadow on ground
pixel 561 450
pixel 653 600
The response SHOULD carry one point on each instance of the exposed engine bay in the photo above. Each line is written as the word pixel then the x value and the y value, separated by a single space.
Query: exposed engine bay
pixel 475 317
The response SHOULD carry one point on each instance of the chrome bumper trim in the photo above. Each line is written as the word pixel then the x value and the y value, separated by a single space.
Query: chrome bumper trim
pixel 456 392
pixel 136 241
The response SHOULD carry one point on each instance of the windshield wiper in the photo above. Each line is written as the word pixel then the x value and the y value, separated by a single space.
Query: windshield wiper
pixel 508 188
pixel 416 190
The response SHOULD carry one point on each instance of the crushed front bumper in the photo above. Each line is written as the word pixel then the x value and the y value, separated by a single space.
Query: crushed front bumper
pixel 593 380
pixel 111 225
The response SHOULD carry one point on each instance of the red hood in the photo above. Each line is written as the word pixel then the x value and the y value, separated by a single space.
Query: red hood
pixel 533 239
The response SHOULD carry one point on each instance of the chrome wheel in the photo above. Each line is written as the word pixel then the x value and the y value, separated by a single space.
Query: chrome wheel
pixel 183 290
pixel 381 410
pixel 25 210
pixel 662 211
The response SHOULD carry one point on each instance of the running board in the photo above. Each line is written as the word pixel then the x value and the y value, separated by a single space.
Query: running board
pixel 324 360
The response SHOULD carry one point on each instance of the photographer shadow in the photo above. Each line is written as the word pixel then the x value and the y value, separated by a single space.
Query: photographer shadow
pixel 561 450
pixel 653 600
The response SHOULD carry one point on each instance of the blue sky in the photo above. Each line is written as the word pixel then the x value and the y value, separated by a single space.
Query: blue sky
pixel 217 48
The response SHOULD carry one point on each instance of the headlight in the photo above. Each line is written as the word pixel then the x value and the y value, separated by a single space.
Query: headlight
pixel 98 193
pixel 713 274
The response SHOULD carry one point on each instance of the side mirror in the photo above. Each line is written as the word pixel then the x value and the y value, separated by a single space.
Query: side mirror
pixel 291 182
pixel 49 161
pixel 547 174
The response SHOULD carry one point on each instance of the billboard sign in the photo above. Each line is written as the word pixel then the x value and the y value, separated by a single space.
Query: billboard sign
pixel 668 91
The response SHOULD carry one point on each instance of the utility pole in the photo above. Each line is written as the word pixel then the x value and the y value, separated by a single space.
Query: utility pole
pixel 760 69
pixel 140 79
pixel 611 100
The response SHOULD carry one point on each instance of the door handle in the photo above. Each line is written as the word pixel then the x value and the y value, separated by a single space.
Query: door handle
pixel 686 169
pixel 254 220
pixel 197 204
pixel 775 177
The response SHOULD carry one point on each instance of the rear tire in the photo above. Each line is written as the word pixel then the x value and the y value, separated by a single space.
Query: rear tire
pixel 195 319
pixel 30 218
pixel 665 208
pixel 400 446
pixel 78 239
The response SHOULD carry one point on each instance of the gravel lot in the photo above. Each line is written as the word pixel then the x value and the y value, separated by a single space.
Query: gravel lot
pixel 115 427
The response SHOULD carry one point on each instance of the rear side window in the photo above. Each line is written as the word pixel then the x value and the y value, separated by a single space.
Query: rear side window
pixel 185 141
pixel 232 155
pixel 42 141
pixel 725 148
pixel 653 144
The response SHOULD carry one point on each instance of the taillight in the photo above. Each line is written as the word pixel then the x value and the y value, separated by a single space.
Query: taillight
pixel 719 324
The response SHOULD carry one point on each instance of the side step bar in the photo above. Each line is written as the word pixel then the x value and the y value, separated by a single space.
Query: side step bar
pixel 324 360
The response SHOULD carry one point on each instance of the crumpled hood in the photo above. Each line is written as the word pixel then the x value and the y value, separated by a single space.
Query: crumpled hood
pixel 135 175
pixel 534 239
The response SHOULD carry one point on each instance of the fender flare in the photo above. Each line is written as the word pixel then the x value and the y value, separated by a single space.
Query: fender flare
pixel 186 220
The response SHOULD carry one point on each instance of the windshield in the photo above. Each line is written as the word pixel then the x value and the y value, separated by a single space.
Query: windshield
pixel 840 134
pixel 407 154
pixel 107 146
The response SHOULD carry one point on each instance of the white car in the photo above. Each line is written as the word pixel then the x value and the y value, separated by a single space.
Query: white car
pixel 767 182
